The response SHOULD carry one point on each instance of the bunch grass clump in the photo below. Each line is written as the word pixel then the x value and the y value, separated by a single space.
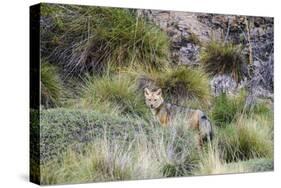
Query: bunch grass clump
pixel 246 139
pixel 223 58
pixel 51 85
pixel 181 84
pixel 212 163
pixel 93 36
pixel 194 39
pixel 116 93
pixel 101 162
pixel 227 109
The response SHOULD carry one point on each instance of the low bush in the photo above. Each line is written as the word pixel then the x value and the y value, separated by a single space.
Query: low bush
pixel 88 146
pixel 223 58
pixel 61 128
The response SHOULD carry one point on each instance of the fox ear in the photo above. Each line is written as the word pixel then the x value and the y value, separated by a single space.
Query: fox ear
pixel 146 92
pixel 159 91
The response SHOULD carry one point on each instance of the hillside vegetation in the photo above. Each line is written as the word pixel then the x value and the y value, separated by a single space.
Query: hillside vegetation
pixel 94 124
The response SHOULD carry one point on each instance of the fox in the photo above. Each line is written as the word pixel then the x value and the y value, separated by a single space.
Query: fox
pixel 165 112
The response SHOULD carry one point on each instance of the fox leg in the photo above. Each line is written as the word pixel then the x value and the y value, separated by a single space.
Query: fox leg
pixel 199 142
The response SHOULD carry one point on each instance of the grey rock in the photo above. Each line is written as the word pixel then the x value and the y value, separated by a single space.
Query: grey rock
pixel 181 25
pixel 223 84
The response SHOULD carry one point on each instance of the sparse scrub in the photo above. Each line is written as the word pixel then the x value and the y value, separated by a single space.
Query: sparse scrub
pixel 91 37
pixel 223 58
pixel 51 86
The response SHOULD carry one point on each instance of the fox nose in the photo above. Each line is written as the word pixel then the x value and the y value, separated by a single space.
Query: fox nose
pixel 151 105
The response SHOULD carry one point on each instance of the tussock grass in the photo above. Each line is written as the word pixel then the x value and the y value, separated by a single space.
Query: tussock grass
pixel 51 86
pixel 227 109
pixel 87 146
pixel 246 139
pixel 212 163
pixel 179 84
pixel 194 39
pixel 244 132
pixel 88 38
pixel 117 92
pixel 102 161
pixel 244 146
pixel 180 150
pixel 223 58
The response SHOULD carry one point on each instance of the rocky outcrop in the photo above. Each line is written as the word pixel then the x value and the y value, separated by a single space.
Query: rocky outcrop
pixel 223 84
pixel 188 31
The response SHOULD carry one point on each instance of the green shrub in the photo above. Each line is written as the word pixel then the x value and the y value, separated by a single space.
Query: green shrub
pixel 93 37
pixel 117 92
pixel 60 128
pixel 223 58
pixel 51 86
pixel 180 84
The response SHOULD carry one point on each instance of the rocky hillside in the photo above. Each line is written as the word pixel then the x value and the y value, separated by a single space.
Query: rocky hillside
pixel 189 32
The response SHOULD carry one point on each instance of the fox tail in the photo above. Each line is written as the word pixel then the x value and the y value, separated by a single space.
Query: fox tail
pixel 205 128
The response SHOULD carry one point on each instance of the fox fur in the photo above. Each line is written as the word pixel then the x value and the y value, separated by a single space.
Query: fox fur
pixel 165 112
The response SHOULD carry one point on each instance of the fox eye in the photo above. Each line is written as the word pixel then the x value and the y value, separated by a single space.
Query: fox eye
pixel 149 99
pixel 154 99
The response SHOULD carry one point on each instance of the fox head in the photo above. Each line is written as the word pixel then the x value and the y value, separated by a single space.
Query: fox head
pixel 153 99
